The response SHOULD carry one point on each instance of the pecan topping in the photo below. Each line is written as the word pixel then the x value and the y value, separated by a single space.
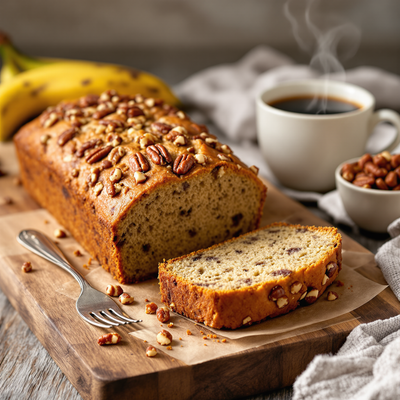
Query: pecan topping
pixel 110 189
pixel 114 123
pixel 116 155
pixel 159 154
pixel 160 127
pixel 89 100
pixel 105 164
pixel 176 137
pixel 135 112
pixel 183 163
pixel 98 154
pixel 199 128
pixel 102 113
pixel 90 144
pixel 138 162
pixel 66 136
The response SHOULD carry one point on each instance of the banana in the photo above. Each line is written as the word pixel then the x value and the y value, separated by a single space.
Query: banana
pixel 46 82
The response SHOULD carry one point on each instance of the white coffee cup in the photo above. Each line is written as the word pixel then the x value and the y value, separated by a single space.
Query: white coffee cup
pixel 303 150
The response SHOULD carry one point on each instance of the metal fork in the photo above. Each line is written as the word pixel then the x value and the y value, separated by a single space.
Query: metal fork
pixel 94 307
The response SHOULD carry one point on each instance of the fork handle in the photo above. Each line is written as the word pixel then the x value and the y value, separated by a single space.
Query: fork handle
pixel 42 246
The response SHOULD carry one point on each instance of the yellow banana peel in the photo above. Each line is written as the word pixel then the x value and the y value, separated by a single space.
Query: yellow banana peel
pixel 29 85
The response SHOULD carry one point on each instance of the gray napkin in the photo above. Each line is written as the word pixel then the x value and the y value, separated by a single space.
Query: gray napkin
pixel 368 364
pixel 225 94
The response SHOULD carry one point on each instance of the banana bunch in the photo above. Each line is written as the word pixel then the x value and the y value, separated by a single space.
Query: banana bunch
pixel 29 85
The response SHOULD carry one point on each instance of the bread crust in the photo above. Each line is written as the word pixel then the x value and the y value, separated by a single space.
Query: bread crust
pixel 92 219
pixel 230 308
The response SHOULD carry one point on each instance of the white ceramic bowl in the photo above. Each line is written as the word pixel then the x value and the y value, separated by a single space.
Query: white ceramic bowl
pixel 370 209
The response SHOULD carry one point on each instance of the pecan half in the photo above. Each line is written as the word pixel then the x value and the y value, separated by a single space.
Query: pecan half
pixel 183 164
pixel 135 112
pixel 138 162
pixel 160 127
pixel 99 114
pixel 98 154
pixel 90 144
pixel 159 154
pixel 66 136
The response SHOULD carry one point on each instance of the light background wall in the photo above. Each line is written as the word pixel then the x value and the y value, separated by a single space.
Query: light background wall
pixel 192 34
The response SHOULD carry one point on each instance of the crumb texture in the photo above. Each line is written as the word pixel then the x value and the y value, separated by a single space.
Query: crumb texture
pixel 180 218
pixel 257 257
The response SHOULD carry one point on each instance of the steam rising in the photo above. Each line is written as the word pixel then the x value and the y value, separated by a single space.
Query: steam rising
pixel 323 43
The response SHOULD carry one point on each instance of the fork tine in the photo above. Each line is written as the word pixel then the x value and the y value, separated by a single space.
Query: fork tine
pixel 103 319
pixel 118 314
pixel 92 321
pixel 109 316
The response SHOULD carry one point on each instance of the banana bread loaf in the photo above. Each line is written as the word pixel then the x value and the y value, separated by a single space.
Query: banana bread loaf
pixel 260 274
pixel 136 181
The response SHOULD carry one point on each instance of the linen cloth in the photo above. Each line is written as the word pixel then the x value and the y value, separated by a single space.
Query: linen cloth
pixel 368 364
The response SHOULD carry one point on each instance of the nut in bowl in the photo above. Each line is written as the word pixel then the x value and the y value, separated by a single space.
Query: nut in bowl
pixel 371 197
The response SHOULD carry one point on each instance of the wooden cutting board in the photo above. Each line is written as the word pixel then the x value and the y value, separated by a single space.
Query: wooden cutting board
pixel 122 371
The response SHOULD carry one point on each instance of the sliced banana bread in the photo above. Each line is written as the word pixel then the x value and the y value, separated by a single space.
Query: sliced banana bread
pixel 264 273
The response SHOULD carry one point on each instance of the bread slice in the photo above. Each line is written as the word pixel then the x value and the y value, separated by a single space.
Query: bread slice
pixel 261 274
pixel 136 181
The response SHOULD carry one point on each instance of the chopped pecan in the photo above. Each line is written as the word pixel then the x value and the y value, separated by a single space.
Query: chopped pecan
pixel 109 338
pixel 116 175
pixel 183 164
pixel 90 144
pixel 115 123
pixel 138 162
pixel 66 136
pixel 105 164
pixel 52 118
pixel 177 137
pixel 140 177
pixel 135 112
pixel 89 100
pixel 116 154
pixel 99 114
pixel 94 176
pixel 211 142
pixel 199 128
pixel 160 127
pixel 98 154
pixel 159 154
pixel 110 189
pixel 147 140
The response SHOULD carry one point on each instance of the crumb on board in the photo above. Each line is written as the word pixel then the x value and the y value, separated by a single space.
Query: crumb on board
pixel 188 332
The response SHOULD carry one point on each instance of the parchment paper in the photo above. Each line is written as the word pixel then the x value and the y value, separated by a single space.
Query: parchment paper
pixel 356 291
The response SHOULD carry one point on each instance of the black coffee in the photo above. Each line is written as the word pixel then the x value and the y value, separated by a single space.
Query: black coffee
pixel 314 105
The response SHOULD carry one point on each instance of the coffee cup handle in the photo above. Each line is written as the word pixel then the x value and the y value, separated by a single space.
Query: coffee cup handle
pixel 386 115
